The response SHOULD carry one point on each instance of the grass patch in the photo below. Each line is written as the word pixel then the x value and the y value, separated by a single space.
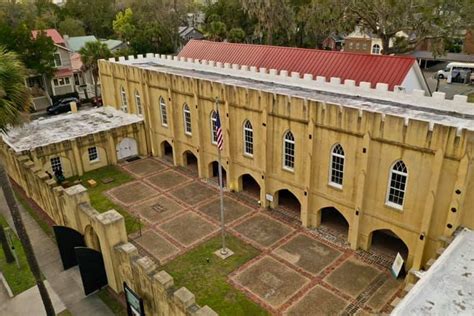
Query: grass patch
pixel 470 97
pixel 19 279
pixel 98 199
pixel 65 313
pixel 43 225
pixel 208 281
pixel 115 306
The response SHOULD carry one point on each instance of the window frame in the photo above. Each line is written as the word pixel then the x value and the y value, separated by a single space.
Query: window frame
pixel 163 112
pixel 97 158
pixel 59 162
pixel 389 185
pixel 284 156
pixel 249 130
pixel 138 103
pixel 123 99
pixel 213 127
pixel 56 64
pixel 186 116
pixel 375 49
pixel 342 156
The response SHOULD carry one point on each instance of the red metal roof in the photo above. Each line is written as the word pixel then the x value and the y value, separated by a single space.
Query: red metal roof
pixel 53 33
pixel 359 67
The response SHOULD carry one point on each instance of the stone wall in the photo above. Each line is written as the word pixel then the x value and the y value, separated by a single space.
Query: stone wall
pixel 104 232
pixel 437 150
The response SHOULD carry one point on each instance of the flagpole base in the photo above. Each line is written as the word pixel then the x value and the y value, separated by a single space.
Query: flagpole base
pixel 223 253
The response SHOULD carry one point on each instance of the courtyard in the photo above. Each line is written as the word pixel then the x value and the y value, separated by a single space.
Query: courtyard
pixel 284 269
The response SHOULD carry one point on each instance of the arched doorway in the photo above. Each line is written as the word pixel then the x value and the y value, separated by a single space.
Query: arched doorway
pixel 250 186
pixel 335 222
pixel 91 239
pixel 288 204
pixel 127 148
pixel 167 151
pixel 214 173
pixel 190 161
pixel 386 243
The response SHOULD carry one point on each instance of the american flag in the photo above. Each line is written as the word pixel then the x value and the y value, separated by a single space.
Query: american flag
pixel 220 137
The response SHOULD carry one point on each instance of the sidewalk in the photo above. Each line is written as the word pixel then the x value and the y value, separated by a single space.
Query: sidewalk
pixel 67 284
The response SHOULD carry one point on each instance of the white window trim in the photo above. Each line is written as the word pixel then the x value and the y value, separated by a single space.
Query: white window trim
pixel 60 60
pixel 330 182
pixel 97 153
pixel 245 141
pixel 138 103
pixel 123 99
pixel 61 85
pixel 387 195
pixel 378 49
pixel 285 167
pixel 213 131
pixel 163 106
pixel 187 110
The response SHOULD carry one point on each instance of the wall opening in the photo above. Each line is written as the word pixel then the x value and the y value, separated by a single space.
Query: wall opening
pixel 388 244
pixel 250 186
pixel 333 220
pixel 214 173
pixel 167 151
pixel 190 161
pixel 289 204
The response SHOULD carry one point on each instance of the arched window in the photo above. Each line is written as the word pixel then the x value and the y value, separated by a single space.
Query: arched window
pixel 248 138
pixel 397 185
pixel 214 127
pixel 337 166
pixel 123 97
pixel 138 103
pixel 163 112
pixel 376 49
pixel 289 151
pixel 187 119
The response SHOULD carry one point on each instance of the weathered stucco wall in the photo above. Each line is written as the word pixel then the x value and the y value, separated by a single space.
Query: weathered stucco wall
pixel 104 232
pixel 439 158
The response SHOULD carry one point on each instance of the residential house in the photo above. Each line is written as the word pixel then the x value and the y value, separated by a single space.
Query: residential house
pixel 187 33
pixel 360 41
pixel 45 89
pixel 84 80
pixel 333 42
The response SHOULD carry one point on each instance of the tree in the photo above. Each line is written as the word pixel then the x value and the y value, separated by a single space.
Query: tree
pixel 123 25
pixel 36 53
pixel 434 20
pixel 90 55
pixel 275 19
pixel 236 35
pixel 15 98
pixel 72 27
pixel 217 31
pixel 97 15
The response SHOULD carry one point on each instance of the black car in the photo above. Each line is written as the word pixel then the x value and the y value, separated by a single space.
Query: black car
pixel 62 106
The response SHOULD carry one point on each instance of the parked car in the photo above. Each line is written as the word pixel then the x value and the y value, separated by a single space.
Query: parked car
pixel 62 106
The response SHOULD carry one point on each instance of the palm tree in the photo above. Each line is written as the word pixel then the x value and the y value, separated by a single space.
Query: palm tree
pixel 15 99
pixel 90 54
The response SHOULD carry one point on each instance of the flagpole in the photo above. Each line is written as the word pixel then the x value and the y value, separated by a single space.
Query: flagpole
pixel 221 190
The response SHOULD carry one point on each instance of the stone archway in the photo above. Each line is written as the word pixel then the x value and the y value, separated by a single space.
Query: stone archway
pixel 387 244
pixel 249 186
pixel 287 203
pixel 91 239
pixel 333 220
pixel 214 173
pixel 190 161
pixel 167 151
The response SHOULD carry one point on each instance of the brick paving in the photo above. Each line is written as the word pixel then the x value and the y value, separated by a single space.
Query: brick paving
pixel 298 272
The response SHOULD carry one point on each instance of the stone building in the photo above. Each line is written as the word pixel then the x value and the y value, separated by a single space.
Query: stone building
pixel 381 164
pixel 78 142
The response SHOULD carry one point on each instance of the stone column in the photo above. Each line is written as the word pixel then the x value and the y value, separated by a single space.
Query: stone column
pixel 77 158
pixel 110 228
pixel 361 166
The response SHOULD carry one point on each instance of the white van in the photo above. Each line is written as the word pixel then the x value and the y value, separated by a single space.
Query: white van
pixel 456 72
